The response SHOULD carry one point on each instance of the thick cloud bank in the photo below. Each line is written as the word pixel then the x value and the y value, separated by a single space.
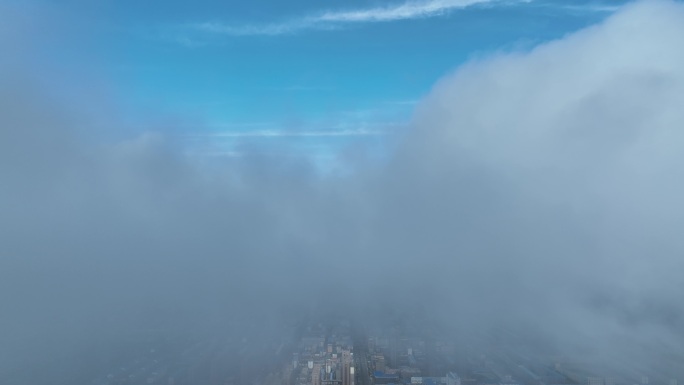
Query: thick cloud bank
pixel 557 174
pixel 538 191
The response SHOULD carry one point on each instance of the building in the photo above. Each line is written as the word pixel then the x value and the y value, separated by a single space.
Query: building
pixel 316 374
pixel 347 374
pixel 380 378
pixel 453 379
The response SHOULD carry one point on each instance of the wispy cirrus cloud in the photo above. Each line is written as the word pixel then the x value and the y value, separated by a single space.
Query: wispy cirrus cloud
pixel 582 7
pixel 337 19
pixel 273 133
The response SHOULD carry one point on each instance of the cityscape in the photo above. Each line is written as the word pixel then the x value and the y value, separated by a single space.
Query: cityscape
pixel 338 351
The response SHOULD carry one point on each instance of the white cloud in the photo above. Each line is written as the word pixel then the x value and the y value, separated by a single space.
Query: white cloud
pixel 538 190
pixel 580 135
pixel 335 19
pixel 408 10
pixel 289 133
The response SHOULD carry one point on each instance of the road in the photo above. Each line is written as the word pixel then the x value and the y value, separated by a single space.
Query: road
pixel 361 357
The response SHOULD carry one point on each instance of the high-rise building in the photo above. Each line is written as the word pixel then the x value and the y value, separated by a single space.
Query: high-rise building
pixel 347 374
pixel 379 360
pixel 453 379
pixel 316 374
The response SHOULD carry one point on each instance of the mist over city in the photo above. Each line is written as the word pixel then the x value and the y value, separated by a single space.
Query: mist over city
pixel 447 192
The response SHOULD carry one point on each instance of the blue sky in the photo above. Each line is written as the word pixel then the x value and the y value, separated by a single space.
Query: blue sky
pixel 338 69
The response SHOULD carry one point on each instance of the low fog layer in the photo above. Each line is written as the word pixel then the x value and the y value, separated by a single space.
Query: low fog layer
pixel 539 191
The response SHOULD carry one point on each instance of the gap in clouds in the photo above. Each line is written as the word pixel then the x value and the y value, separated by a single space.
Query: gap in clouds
pixel 322 144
